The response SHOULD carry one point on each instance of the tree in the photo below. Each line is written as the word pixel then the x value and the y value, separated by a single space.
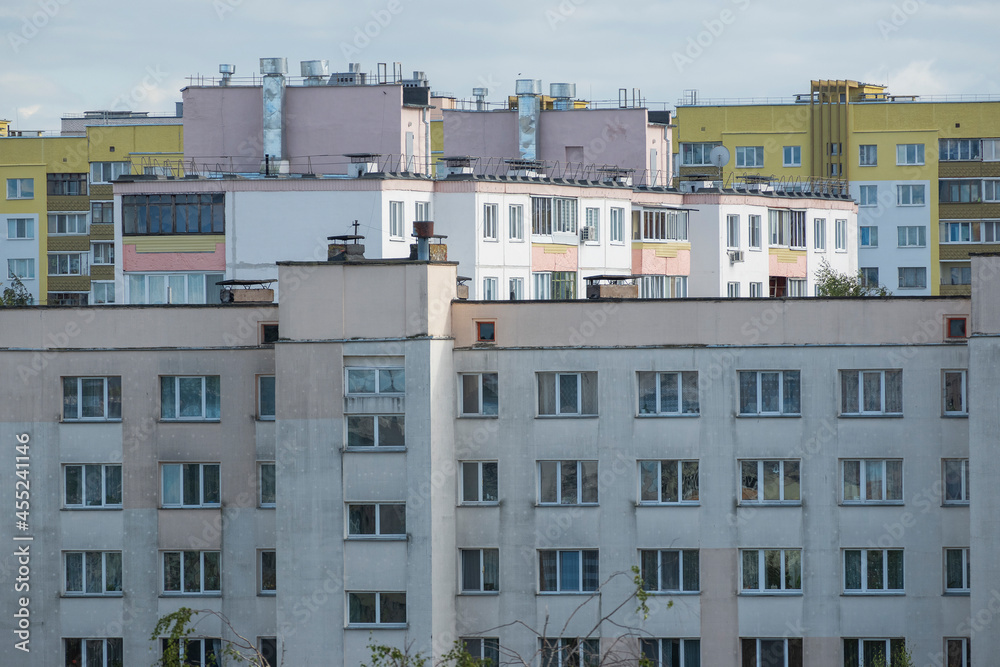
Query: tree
pixel 830 282
pixel 901 658
pixel 17 294
pixel 390 656
pixel 177 626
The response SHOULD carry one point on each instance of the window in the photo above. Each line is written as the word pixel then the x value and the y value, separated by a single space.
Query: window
pixel 479 395
pixel 957 652
pixel 516 288
pixel 20 228
pixel 377 608
pixel 956 571
pixel 671 652
pixel 965 191
pixel 567 482
pixel 66 184
pixel 869 236
pixel 196 652
pixel 486 332
pixel 841 234
pixel 174 214
pixel 375 381
pixel 376 431
pixel 733 231
pixel 909 154
pixel 102 212
pixel 797 287
pixel 834 169
pixel 269 650
pixel 991 189
pixel 955 327
pixel 103 252
pixel 754 232
pixel 696 154
pixel 673 393
pixel 867 155
pixel 174 288
pixel 749 156
pixel 868 195
pixel 267 566
pixel 490 213
pixel 422 210
pixel 873 481
pixel 192 572
pixel 979 231
pixel 396 220
pixel 557 652
pixel 68 264
pixel 769 392
pixel 733 290
pixel 553 214
pixel 191 484
pixel 106 172
pixel 662 287
pixel 567 394
pixel 95 652
pixel 662 225
pixel 68 298
pixel 103 292
pixel 914 235
pixel 191 398
pixel 771 652
pixel 479 482
pixel 267 484
pixel 912 277
pixel 93 572
pixel 376 520
pixel 909 195
pixel 554 285
pixel 833 149
pixel 515 215
pixel 950 150
pixel 756 290
pixel 93 486
pixel 490 289
pixel 480 570
pixel 780 226
pixel 92 398
pixel 485 649
pixel 819 234
pixel 991 151
pixel 617 225
pixel 668 482
pixel 771 570
pixel 959 275
pixel 954 393
pixel 20 188
pixel 872 652
pixel 592 217
pixel 669 571
pixel 873 570
pixel 869 276
pixel 770 482
pixel 265 397
pixel 956 481
pixel 24 269
pixel 791 156
pixel 571 571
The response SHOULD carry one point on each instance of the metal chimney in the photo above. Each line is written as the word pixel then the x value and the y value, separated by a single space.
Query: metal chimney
pixel 563 94
pixel 480 95
pixel 226 71
pixel 274 70
pixel 315 72
pixel 528 109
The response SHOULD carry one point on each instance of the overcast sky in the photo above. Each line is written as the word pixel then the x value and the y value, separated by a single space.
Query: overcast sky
pixel 69 56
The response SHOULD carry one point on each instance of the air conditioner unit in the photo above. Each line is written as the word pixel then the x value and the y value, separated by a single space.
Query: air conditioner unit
pixel 735 256
pixel 588 233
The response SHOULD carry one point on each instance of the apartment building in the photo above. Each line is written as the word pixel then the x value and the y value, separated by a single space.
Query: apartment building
pixel 440 468
pixel 57 210
pixel 919 168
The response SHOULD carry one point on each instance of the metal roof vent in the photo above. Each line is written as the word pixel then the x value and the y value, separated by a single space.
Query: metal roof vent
pixel 563 94
pixel 226 71
pixel 315 72
pixel 480 95
pixel 362 163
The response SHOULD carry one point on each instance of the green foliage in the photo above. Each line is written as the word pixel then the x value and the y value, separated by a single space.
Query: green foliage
pixel 833 283
pixel 177 626
pixel 390 656
pixel 16 295
pixel 901 658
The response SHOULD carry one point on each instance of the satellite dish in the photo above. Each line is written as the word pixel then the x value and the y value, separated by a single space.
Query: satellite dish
pixel 719 156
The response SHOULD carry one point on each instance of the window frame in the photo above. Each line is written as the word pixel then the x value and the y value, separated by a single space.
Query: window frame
pixel 376 430
pixel 580 476
pixel 761 485
pixel 378 519
pixel 70 221
pixel 963 409
pixel 869 157
pixel 759 559
pixel 111 399
pixel 515 223
pixel 464 586
pixel 480 482
pixel 107 485
pixel 819 234
pixel 962 474
pixel 652 649
pixel 83 656
pixel 19 190
pixel 868 236
pixel 732 231
pixel 378 604
pixel 482 648
pixel 491 288
pixel 964 654
pixel 616 217
pixel 749 157
pixel 67 259
pixel 206 406
pixel 758 648
pixel 107 210
pixel 261 502
pixel 491 213
pixel 840 235
pixel 262 413
pixel 682 472
pixel 781 398
pixel 917 272
pixel 868 195
pixel 106 578
pixel 397 213
pixel 863 575
pixel 482 409
pixel 557 385
pixel 865 486
pixel 891 646
pixel 684 558
pixel 263 570
pixel 884 409
pixel 682 382
pixel 581 576
pixel 203 484
pixel 754 232
pixel 964 587
pixel 182 567
pixel 905 232
pixel 98 175
pixel 903 157
pixel 906 194
pixel 102 253
pixel 791 156
pixel 16 224
pixel 377 381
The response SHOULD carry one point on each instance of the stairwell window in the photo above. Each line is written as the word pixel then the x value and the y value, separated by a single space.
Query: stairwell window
pixel 376 520
pixel 956 571
pixel 954 389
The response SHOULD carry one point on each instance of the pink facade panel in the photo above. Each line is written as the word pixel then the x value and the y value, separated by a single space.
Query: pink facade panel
pixel 173 261
pixel 645 261
pixel 554 257
pixel 796 269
